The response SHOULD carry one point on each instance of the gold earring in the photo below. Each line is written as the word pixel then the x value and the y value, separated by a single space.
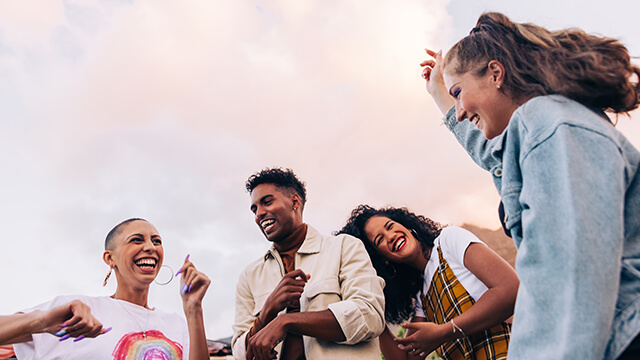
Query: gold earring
pixel 107 278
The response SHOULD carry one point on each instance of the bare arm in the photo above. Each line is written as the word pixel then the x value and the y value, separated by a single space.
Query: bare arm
pixel 73 319
pixel 492 308
pixel 194 285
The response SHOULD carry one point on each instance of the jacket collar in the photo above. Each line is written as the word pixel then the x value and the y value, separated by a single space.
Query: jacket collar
pixel 311 245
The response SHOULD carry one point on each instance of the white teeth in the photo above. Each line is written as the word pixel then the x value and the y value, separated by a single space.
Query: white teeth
pixel 475 119
pixel 399 245
pixel 146 262
pixel 267 223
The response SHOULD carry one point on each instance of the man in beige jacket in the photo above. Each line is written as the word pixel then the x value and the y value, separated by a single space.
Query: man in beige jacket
pixel 310 296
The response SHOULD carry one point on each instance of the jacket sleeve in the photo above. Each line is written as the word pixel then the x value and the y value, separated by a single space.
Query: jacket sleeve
pixel 361 311
pixel 244 317
pixel 569 260
pixel 473 141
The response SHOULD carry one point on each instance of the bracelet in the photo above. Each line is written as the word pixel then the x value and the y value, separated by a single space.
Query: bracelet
pixel 457 328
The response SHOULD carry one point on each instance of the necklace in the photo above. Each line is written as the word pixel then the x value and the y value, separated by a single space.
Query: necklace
pixel 144 330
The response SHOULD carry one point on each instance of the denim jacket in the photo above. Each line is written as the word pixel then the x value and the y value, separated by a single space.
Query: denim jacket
pixel 570 185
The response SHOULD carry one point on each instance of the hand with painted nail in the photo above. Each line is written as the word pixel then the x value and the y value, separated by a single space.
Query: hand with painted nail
pixel 72 320
pixel 193 285
pixel 69 320
pixel 432 73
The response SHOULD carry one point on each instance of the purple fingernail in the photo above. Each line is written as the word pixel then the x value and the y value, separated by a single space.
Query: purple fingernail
pixel 189 288
pixel 184 289
pixel 187 258
pixel 79 338
pixel 107 330
pixel 63 325
pixel 178 273
pixel 65 337
pixel 61 333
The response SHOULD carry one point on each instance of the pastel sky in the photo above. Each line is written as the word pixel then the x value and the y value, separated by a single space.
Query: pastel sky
pixel 161 109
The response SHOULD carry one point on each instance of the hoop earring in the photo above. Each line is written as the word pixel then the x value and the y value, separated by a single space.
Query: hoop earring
pixel 415 233
pixel 388 266
pixel 170 277
pixel 107 277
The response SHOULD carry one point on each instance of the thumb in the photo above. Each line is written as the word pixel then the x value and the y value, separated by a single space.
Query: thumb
pixel 410 326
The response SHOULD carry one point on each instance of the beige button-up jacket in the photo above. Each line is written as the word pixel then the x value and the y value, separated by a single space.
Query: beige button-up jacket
pixel 342 280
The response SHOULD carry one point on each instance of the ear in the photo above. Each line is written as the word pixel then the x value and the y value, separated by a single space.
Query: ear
pixel 107 257
pixel 296 201
pixel 495 69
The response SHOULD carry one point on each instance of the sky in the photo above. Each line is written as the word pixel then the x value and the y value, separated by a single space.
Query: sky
pixel 162 109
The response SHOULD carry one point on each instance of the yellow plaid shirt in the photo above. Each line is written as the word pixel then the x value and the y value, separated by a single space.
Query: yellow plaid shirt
pixel 445 300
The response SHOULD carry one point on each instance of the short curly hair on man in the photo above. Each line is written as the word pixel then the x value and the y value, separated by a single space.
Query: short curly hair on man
pixel 284 179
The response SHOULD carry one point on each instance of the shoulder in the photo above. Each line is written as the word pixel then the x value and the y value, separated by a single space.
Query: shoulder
pixel 539 118
pixel 454 241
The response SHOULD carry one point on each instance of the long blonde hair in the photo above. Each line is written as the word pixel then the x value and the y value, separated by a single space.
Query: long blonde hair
pixel 593 70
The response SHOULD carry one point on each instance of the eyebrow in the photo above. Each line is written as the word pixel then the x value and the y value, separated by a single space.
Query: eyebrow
pixel 132 235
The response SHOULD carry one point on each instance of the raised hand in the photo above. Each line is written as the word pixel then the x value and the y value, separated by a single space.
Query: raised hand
pixel 432 73
pixel 193 285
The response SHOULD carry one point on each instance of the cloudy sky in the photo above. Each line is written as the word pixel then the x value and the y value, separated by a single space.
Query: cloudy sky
pixel 161 109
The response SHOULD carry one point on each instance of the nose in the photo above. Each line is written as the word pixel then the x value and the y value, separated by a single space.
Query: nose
pixel 148 246
pixel 260 212
pixel 461 113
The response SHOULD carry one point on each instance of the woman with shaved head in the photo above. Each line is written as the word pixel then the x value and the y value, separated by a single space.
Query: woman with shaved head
pixel 123 325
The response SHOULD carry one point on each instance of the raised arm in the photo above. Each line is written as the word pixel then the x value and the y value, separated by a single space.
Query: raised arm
pixel 193 287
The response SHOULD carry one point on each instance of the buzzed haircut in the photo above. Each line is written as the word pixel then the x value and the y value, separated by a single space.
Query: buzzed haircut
pixel 280 178
pixel 108 242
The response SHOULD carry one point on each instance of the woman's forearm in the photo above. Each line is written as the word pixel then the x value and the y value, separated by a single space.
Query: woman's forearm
pixel 18 328
pixel 198 349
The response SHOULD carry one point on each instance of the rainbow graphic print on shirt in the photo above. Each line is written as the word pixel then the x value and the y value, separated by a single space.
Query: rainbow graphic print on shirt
pixel 133 346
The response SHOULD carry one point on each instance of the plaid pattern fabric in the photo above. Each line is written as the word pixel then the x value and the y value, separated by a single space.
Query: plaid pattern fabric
pixel 445 300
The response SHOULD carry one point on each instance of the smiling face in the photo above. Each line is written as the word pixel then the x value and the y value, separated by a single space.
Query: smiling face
pixel 136 254
pixel 479 98
pixel 277 213
pixel 393 241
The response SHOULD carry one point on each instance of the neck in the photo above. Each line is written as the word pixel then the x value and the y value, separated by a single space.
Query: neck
pixel 293 240
pixel 134 296
pixel 420 262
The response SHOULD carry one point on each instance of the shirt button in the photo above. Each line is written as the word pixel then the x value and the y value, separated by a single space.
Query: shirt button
pixel 497 172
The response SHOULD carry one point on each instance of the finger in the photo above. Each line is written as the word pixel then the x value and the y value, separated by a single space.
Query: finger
pixel 426 73
pixel 430 52
pixel 184 265
pixel 431 63
pixel 438 56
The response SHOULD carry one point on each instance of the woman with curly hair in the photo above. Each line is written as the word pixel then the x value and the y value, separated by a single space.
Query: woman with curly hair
pixel 535 101
pixel 457 292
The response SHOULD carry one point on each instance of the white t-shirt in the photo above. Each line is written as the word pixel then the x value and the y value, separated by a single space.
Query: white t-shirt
pixel 167 334
pixel 454 242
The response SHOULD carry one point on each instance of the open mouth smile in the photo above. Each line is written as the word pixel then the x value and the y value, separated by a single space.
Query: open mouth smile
pixel 267 225
pixel 399 244
pixel 146 263
pixel 475 119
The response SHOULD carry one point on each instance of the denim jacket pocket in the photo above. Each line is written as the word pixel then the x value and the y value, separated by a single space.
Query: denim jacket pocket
pixel 319 294
pixel 512 212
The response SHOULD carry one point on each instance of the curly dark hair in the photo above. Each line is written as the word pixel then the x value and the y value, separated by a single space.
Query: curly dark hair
pixel 593 70
pixel 284 179
pixel 403 284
